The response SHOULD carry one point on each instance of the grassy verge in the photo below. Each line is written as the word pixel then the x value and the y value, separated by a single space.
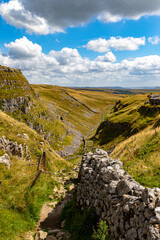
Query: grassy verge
pixel 20 211
pixel 79 223
pixel 141 156
pixel 19 203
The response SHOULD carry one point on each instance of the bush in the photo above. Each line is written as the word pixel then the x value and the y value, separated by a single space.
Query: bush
pixel 102 232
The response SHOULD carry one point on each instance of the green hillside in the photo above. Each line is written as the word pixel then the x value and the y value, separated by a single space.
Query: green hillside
pixel 39 121
pixel 13 84
pixel 132 127
pixel 141 156
pixel 128 116
pixel 58 114
pixel 79 109
pixel 19 202
pixel 35 120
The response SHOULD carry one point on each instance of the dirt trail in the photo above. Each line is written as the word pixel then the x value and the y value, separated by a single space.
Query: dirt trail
pixel 49 226
pixel 96 126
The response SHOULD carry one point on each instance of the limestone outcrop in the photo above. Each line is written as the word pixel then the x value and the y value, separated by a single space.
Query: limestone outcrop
pixel 154 99
pixel 19 103
pixel 5 159
pixel 131 210
pixel 11 148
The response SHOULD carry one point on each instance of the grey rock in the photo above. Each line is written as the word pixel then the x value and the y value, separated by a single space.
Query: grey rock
pixel 132 211
pixel 5 159
pixel 131 234
pixel 124 187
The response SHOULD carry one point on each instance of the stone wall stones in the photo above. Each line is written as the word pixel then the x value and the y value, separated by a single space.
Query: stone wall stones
pixel 131 210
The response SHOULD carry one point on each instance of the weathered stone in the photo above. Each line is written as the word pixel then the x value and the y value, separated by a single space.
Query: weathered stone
pixel 113 186
pixel 154 99
pixel 131 234
pixel 41 235
pixel 51 238
pixel 131 211
pixel 5 159
pixel 11 148
pixel 124 187
pixel 13 104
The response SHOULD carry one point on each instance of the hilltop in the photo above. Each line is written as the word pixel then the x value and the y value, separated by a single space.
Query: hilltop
pixel 13 84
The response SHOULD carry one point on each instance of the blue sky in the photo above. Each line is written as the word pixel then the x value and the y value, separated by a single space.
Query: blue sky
pixel 82 43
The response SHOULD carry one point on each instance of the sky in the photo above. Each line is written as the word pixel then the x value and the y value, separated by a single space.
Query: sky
pixel 83 43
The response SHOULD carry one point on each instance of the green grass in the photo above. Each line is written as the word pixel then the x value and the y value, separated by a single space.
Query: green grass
pixel 19 204
pixel 130 116
pixel 79 223
pixel 72 111
pixel 13 84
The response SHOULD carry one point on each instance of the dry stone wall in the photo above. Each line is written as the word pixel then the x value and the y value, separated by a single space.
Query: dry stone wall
pixel 131 210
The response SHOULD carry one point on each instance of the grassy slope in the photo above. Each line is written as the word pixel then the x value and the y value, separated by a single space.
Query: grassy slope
pixel 20 205
pixel 73 111
pixel 141 156
pixel 134 130
pixel 132 116
pixel 55 111
pixel 13 84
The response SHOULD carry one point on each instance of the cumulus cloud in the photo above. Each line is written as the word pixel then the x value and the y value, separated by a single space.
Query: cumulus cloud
pixel 154 40
pixel 117 43
pixel 43 17
pixel 23 48
pixel 108 57
pixel 67 67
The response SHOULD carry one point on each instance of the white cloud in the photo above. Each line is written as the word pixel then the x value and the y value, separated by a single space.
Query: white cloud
pixel 154 40
pixel 43 17
pixel 15 14
pixel 117 43
pixel 142 65
pixel 108 57
pixel 68 67
pixel 23 48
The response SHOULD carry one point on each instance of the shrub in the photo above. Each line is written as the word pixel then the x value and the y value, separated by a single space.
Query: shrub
pixel 102 233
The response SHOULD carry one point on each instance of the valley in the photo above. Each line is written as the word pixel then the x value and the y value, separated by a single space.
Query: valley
pixel 44 132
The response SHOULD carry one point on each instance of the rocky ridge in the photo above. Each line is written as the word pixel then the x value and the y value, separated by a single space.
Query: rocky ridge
pixel 131 210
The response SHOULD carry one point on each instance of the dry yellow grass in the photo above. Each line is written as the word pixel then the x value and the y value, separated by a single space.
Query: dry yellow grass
pixel 141 156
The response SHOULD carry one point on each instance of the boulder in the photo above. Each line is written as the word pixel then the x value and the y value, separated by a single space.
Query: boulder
pixel 154 99
pixel 5 159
